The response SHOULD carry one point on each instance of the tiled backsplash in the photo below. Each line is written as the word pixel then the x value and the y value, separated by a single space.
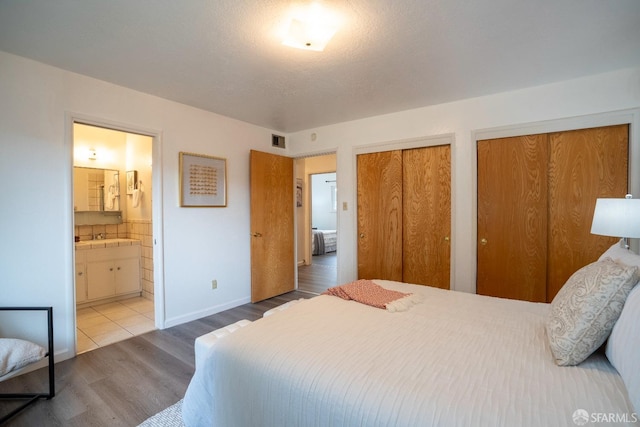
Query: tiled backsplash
pixel 109 231
pixel 143 230
pixel 135 229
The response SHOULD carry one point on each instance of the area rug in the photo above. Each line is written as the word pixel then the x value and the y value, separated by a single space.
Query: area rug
pixel 170 417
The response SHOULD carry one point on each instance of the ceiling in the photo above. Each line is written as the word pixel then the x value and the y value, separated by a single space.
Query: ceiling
pixel 225 56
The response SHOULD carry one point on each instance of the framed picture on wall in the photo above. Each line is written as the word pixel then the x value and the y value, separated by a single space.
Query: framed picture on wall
pixel 298 192
pixel 203 180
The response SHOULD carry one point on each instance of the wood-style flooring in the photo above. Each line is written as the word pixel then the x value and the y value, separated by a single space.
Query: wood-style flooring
pixel 320 275
pixel 124 383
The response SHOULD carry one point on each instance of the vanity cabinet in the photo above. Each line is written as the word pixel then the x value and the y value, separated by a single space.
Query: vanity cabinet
pixel 81 277
pixel 107 272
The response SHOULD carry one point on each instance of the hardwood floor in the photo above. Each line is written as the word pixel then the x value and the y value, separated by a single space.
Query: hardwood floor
pixel 320 275
pixel 125 383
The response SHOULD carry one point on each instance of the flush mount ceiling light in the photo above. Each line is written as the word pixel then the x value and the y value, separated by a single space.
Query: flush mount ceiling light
pixel 311 28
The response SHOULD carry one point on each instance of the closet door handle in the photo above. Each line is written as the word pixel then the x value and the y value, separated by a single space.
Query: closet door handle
pixel 362 235
pixel 256 234
pixel 446 238
pixel 483 241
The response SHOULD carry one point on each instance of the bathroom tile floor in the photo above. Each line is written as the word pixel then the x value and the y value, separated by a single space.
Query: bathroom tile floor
pixel 105 324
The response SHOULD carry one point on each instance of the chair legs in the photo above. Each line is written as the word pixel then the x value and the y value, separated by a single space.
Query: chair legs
pixel 33 397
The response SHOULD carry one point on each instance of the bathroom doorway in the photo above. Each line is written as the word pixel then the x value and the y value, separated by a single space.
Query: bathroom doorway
pixel 113 227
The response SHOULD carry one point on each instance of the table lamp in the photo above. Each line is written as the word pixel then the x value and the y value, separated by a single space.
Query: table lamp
pixel 617 217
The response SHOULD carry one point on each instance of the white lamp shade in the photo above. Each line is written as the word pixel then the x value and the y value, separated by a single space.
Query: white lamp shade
pixel 616 217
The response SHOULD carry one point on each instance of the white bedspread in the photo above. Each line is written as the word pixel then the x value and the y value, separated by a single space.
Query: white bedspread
pixel 455 359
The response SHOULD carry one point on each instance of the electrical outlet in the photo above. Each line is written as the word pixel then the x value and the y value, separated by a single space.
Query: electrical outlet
pixel 214 284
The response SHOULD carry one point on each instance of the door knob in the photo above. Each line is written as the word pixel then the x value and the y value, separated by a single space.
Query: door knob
pixel 256 234
pixel 362 235
pixel 446 238
pixel 483 241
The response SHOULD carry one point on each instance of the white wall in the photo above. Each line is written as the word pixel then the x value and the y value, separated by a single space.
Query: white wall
pixel 139 149
pixel 590 101
pixel 200 244
pixel 36 223
pixel 323 214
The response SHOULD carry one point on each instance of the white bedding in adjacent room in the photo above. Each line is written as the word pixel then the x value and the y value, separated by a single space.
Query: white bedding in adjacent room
pixel 324 241
pixel 455 359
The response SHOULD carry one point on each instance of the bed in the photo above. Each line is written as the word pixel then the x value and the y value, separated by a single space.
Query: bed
pixel 324 241
pixel 454 359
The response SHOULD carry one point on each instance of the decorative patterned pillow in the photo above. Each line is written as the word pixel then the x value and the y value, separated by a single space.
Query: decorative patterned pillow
pixel 586 308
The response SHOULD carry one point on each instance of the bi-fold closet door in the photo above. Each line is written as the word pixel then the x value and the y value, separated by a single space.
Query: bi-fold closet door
pixel 536 197
pixel 404 215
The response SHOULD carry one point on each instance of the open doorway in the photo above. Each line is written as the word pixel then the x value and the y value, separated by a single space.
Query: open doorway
pixel 317 223
pixel 113 232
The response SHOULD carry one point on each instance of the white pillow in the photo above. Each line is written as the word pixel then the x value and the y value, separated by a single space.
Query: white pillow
pixel 621 255
pixel 583 313
pixel 623 347
pixel 15 354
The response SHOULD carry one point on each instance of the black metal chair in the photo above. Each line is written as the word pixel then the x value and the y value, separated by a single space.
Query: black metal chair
pixel 33 397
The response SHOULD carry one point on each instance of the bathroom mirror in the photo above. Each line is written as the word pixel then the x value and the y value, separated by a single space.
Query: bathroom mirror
pixel 96 196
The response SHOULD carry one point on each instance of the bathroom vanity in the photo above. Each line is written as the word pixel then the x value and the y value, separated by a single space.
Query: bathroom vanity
pixel 107 270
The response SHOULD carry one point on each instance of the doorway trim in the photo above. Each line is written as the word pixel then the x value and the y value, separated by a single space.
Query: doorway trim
pixel 156 208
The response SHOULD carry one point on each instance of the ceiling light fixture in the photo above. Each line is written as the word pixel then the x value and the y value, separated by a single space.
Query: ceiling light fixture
pixel 311 29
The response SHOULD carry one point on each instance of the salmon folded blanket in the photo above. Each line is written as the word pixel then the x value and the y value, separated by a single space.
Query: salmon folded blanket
pixel 367 292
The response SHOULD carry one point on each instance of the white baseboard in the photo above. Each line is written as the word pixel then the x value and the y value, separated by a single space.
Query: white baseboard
pixel 174 321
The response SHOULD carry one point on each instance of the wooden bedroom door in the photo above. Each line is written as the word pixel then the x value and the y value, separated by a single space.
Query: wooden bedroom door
pixel 379 192
pixel 512 217
pixel 426 212
pixel 272 232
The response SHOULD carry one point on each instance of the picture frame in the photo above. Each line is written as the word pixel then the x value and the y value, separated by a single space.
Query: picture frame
pixel 299 184
pixel 203 180
pixel 132 181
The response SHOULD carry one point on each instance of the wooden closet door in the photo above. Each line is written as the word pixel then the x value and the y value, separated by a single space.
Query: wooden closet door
pixel 584 165
pixel 426 208
pixel 512 217
pixel 379 181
